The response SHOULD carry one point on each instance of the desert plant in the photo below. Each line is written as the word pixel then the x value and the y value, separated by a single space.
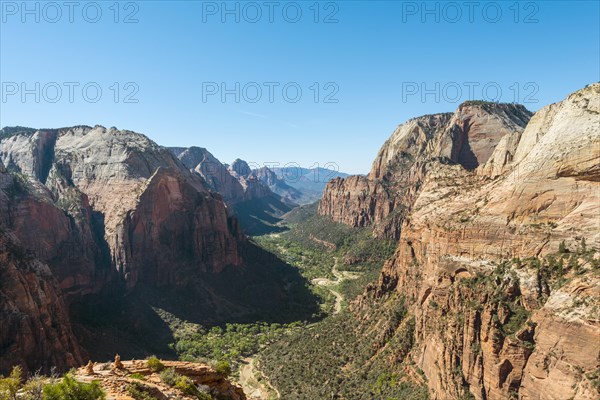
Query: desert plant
pixel 140 391
pixel 562 248
pixel 223 368
pixel 138 376
pixel 169 376
pixel 10 385
pixel 70 389
pixel 33 389
pixel 187 386
pixel 154 364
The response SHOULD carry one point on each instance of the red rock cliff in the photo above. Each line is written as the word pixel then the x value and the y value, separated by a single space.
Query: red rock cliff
pixel 493 327
pixel 466 137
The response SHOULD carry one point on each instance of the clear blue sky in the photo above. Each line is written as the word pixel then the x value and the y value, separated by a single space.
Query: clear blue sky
pixel 374 54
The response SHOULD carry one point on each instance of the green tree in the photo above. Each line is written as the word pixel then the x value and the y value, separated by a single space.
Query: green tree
pixel 34 388
pixel 562 248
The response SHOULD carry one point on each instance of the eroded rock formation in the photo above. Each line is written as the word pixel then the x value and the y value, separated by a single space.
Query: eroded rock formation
pixel 35 331
pixel 96 208
pixel 497 316
pixel 467 137
pixel 114 200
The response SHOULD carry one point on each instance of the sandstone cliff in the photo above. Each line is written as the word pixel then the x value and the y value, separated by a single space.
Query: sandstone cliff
pixel 247 192
pixel 124 227
pixel 116 201
pixel 216 175
pixel 279 186
pixel 96 210
pixel 35 331
pixel 467 137
pixel 253 187
pixel 34 324
pixel 498 263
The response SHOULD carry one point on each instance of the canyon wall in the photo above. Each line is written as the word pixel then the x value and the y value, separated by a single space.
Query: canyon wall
pixel 467 137
pixel 500 265
pixel 94 209
pixel 35 331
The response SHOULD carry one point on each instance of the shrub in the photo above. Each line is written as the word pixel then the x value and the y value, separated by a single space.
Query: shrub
pixel 34 388
pixel 138 376
pixel 140 391
pixel 183 384
pixel 69 389
pixel 9 386
pixel 169 376
pixel 187 386
pixel 154 364
pixel 204 396
pixel 562 248
pixel 223 368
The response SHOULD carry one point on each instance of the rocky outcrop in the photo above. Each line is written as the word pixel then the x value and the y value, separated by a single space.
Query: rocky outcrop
pixel 247 192
pixel 253 187
pixel 497 316
pixel 116 381
pixel 236 183
pixel 359 201
pixel 467 137
pixel 34 324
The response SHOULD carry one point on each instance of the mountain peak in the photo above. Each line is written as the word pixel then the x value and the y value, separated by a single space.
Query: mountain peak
pixel 240 167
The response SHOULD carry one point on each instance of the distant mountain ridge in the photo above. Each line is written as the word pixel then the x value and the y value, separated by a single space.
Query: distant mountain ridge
pixel 307 184
pixel 257 207
pixel 259 196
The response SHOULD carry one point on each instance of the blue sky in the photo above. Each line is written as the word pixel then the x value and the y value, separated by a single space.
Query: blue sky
pixel 371 62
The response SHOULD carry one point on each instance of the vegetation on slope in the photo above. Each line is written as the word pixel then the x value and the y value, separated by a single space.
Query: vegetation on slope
pixel 38 387
pixel 346 355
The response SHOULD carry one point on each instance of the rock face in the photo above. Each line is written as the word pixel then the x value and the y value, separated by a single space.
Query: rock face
pixel 486 325
pixel 467 137
pixel 216 175
pixel 96 209
pixel 236 183
pixel 253 187
pixel 279 186
pixel 247 192
pixel 123 202
pixel 34 324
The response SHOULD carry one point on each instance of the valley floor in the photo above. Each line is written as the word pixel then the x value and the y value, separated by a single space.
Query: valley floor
pixel 331 285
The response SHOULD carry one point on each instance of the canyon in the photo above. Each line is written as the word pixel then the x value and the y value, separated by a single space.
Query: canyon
pixel 474 213
pixel 482 225
pixel 98 220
